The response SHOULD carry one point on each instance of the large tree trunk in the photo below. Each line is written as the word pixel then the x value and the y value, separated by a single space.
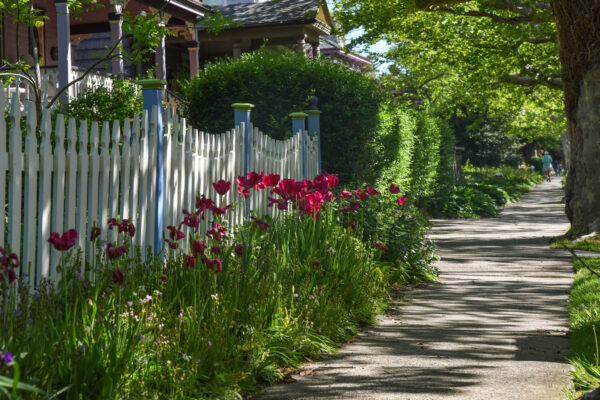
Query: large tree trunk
pixel 578 24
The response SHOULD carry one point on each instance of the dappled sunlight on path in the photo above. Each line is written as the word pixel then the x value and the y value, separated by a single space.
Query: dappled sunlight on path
pixel 495 328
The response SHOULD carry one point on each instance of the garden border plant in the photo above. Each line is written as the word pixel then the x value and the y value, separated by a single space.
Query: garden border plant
pixel 213 322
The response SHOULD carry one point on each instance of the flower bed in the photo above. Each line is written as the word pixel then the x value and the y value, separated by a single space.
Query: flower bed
pixel 213 322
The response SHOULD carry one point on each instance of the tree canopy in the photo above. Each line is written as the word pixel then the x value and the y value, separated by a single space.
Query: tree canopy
pixel 497 57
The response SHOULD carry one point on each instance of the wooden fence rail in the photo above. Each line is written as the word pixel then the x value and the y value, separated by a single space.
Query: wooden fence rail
pixel 78 174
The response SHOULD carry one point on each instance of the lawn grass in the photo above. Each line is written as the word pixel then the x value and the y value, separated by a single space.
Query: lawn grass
pixel 584 325
pixel 587 243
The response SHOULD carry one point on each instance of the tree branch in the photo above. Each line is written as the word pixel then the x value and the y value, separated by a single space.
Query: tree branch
pixel 495 17
pixel 531 81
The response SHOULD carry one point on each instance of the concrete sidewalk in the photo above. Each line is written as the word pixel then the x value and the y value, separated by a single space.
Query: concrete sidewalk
pixel 495 328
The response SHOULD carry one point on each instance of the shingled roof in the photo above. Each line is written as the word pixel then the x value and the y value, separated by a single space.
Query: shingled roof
pixel 282 12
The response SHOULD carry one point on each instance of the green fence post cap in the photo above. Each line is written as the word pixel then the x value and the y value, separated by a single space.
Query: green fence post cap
pixel 313 112
pixel 298 115
pixel 242 106
pixel 151 83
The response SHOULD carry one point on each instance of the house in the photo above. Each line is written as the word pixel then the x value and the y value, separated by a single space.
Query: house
pixel 295 24
pixel 68 45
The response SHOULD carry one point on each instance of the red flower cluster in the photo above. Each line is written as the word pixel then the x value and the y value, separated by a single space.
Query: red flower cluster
pixel 214 264
pixel 65 241
pixel 217 232
pixel 261 224
pixel 307 196
pixel 8 263
pixel 124 226
pixel 113 252
pixel 255 181
pixel 174 234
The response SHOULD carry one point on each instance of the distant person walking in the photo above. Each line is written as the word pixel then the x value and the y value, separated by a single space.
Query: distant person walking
pixel 547 166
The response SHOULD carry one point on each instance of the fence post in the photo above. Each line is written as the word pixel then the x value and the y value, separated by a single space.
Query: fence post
pixel 241 114
pixel 152 96
pixel 298 123
pixel 314 124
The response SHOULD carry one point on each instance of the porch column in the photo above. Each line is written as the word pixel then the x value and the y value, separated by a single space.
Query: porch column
pixel 160 58
pixel 194 60
pixel 301 45
pixel 316 50
pixel 115 20
pixel 237 50
pixel 65 66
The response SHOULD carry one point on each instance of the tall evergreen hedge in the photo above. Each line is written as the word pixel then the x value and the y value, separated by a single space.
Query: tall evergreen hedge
pixel 278 84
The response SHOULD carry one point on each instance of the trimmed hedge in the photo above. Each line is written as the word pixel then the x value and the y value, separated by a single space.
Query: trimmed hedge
pixel 281 83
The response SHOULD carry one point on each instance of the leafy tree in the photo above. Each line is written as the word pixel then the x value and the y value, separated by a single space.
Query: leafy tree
pixel 507 54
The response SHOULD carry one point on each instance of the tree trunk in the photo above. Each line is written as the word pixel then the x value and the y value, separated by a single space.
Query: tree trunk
pixel 578 24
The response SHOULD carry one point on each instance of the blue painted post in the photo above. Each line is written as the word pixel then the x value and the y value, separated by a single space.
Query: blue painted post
pixel 241 113
pixel 152 96
pixel 314 124
pixel 298 123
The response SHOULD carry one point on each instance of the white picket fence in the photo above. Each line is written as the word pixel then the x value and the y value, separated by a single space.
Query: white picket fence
pixel 49 84
pixel 95 171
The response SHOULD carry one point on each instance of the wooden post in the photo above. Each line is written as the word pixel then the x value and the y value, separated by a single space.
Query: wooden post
pixel 115 20
pixel 298 123
pixel 314 124
pixel 241 113
pixel 237 50
pixel 63 26
pixel 160 58
pixel 152 97
pixel 194 60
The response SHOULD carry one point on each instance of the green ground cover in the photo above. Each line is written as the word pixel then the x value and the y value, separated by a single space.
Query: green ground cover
pixel 223 318
pixel 485 191
pixel 584 325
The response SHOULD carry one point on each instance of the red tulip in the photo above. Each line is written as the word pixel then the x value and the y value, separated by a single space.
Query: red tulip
pixel 270 180
pixel 353 206
pixel 402 200
pixel 174 233
pixel 64 242
pixel 95 233
pixel 118 277
pixel 190 261
pixel 216 264
pixel 372 191
pixel 261 224
pixel 351 225
pixel 381 247
pixel 222 186
pixel 361 195
pixel 217 232
pixel 198 247
pixel 239 250
pixel 394 189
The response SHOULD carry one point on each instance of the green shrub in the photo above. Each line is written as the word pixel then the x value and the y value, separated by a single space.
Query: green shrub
pixel 426 156
pixel 278 84
pixel 99 103
pixel 395 146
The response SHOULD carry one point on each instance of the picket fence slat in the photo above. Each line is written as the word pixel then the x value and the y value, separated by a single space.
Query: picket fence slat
pixel 58 187
pixel 30 196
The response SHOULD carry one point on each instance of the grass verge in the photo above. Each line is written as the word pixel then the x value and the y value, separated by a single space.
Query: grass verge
pixel 584 325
